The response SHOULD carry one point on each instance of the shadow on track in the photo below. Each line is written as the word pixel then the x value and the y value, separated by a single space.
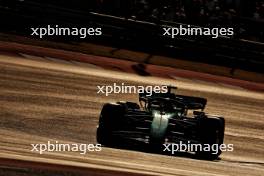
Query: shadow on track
pixel 140 146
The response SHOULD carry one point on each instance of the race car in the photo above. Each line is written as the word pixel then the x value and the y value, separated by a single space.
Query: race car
pixel 162 118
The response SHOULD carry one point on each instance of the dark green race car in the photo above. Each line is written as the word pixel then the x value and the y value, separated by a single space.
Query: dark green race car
pixel 161 119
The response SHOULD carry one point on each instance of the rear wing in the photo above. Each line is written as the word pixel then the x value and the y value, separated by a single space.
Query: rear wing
pixel 143 96
pixel 194 103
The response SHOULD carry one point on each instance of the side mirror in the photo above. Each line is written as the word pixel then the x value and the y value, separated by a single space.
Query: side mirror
pixel 171 88
pixel 198 113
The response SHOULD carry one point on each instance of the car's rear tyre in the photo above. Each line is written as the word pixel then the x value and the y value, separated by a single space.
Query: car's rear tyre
pixel 110 119
pixel 156 145
pixel 212 134
pixel 102 135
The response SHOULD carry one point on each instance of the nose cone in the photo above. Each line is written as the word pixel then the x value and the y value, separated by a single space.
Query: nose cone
pixel 159 126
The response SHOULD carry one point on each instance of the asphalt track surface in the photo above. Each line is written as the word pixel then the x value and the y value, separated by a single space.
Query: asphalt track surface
pixel 44 101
